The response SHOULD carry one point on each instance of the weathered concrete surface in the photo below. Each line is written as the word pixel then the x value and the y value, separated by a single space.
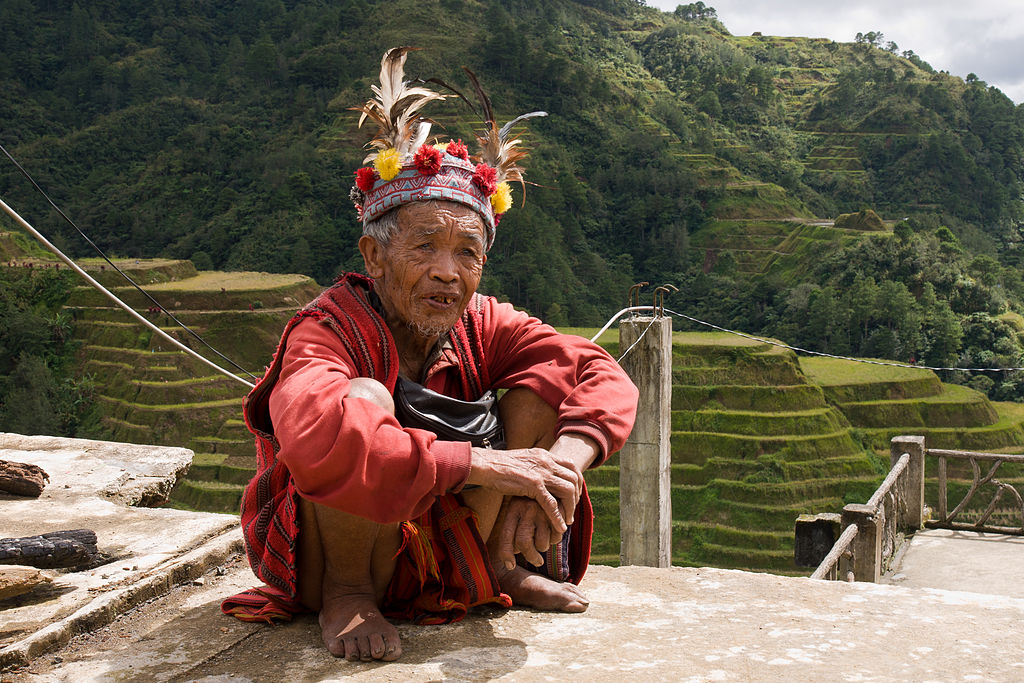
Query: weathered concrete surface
pixel 963 561
pixel 91 486
pixel 678 624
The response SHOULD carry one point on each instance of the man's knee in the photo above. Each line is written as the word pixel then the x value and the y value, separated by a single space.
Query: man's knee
pixel 371 390
pixel 529 421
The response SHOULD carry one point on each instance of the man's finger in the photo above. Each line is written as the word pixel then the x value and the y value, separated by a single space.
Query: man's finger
pixel 525 542
pixel 552 508
pixel 542 537
pixel 507 539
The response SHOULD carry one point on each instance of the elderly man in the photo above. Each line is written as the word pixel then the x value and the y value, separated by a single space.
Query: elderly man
pixel 358 515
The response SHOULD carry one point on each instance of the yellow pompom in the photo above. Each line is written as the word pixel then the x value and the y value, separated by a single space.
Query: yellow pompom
pixel 443 146
pixel 388 164
pixel 501 200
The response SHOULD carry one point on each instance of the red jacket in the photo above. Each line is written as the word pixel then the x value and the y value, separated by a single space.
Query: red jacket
pixel 351 455
pixel 313 441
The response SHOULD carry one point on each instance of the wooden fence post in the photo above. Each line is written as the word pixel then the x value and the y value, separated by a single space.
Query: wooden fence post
pixel 867 546
pixel 645 492
pixel 914 491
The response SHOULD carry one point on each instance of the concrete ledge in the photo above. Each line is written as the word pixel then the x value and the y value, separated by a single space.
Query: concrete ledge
pixel 678 624
pixel 147 551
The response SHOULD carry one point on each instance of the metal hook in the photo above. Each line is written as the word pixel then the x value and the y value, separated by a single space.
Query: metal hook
pixel 634 294
pixel 659 298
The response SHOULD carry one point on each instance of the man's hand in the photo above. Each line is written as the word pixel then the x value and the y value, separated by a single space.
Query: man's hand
pixel 524 529
pixel 553 478
pixel 554 481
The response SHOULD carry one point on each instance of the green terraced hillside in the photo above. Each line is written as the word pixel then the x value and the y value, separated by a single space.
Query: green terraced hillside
pixel 754 444
pixel 151 392
pixel 886 401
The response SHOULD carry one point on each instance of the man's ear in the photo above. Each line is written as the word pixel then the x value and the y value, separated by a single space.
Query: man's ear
pixel 373 256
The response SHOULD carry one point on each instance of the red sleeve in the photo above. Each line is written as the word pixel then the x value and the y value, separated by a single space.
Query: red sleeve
pixel 592 393
pixel 348 453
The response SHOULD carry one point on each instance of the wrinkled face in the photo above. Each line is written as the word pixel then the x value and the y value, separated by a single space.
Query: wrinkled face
pixel 426 275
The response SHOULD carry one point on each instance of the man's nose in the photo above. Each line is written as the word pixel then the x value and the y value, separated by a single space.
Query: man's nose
pixel 444 267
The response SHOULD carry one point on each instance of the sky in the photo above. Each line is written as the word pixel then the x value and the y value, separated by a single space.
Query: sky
pixel 984 37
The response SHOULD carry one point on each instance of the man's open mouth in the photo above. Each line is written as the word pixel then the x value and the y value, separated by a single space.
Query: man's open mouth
pixel 447 300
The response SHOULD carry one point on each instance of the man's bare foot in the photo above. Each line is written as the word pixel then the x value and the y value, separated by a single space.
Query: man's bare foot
pixel 353 626
pixel 529 589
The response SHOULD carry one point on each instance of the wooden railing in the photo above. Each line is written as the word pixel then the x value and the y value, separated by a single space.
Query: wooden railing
pixel 953 519
pixel 873 532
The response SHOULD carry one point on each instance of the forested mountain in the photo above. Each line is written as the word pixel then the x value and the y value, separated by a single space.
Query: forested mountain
pixel 673 152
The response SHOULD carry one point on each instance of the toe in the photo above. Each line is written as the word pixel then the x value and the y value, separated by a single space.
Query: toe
pixel 377 646
pixel 575 606
pixel 392 649
pixel 352 649
pixel 365 653
pixel 334 645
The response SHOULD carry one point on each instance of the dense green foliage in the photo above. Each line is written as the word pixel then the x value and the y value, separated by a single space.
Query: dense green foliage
pixel 38 395
pixel 220 132
pixel 912 297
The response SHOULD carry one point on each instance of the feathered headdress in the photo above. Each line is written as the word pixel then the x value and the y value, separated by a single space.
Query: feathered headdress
pixel 395 108
pixel 405 168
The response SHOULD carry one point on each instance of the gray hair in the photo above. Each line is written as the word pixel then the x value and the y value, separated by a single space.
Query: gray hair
pixel 383 227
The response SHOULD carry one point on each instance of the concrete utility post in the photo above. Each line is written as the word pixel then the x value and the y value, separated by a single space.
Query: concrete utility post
pixel 645 494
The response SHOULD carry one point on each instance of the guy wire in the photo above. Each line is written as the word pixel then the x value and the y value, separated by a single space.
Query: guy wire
pixel 797 349
pixel 121 272
pixel 131 311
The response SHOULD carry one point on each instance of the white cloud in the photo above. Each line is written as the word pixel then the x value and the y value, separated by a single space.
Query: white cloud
pixel 984 37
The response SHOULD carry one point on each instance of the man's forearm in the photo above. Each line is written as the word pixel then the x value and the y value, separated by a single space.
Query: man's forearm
pixel 582 450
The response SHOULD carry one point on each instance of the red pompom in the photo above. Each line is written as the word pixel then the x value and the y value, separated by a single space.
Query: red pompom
pixel 427 159
pixel 365 178
pixel 486 178
pixel 457 148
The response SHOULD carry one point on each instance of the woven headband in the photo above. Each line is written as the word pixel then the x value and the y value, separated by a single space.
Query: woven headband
pixel 406 168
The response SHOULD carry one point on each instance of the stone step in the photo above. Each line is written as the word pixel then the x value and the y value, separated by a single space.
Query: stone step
pixel 184 366
pixel 768 468
pixel 171 424
pixel 207 468
pixel 234 428
pixel 1005 433
pixel 204 292
pixel 699 505
pixel 772 469
pixel 743 373
pixel 733 557
pixel 885 390
pixel 686 534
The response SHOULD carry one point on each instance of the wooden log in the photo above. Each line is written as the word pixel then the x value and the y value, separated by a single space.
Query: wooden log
pixel 22 479
pixel 57 549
